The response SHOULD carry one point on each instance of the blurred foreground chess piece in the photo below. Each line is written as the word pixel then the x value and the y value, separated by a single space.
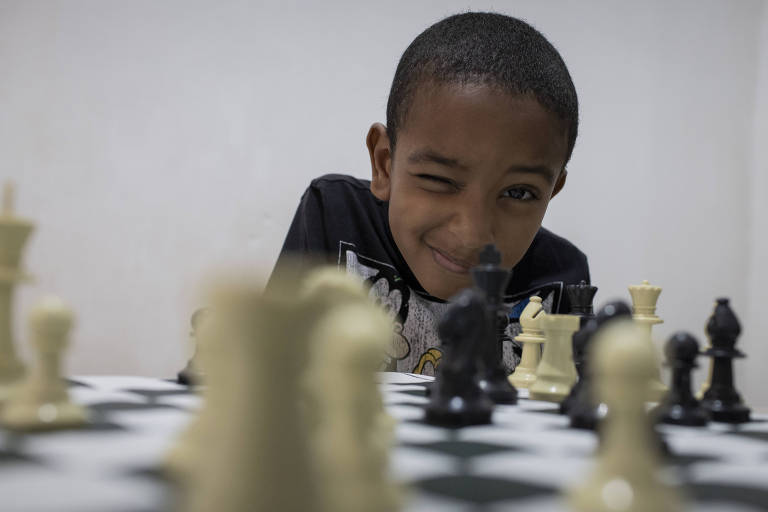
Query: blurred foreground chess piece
pixel 253 455
pixel 556 374
pixel 626 474
pixel 492 280
pixel 532 338
pixel 271 434
pixel 680 407
pixel 14 233
pixel 721 398
pixel 41 401
pixel 644 298
pixel 351 435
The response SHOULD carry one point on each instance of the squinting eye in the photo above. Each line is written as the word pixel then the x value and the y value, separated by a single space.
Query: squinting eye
pixel 518 193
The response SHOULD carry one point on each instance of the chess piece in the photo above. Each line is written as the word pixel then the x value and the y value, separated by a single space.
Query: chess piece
pixel 721 399
pixel 532 337
pixel 584 410
pixel 14 233
pixel 492 280
pixel 581 296
pixel 192 374
pixel 214 353
pixel 625 476
pixel 680 407
pixel 556 373
pixel 351 434
pixel 255 456
pixel 41 401
pixel 644 298
pixel 456 399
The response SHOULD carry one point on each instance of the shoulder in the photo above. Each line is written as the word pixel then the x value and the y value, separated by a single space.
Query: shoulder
pixel 553 258
pixel 547 242
pixel 340 183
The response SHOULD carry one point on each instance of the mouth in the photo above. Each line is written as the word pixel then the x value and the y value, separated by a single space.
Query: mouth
pixel 450 263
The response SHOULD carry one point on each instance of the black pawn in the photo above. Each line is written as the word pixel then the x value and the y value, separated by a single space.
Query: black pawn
pixel 492 280
pixel 583 410
pixel 680 407
pixel 456 399
pixel 721 399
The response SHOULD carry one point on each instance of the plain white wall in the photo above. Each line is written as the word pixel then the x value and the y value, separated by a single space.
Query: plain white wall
pixel 153 141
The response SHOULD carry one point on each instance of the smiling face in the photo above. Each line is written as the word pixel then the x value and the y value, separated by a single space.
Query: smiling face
pixel 472 166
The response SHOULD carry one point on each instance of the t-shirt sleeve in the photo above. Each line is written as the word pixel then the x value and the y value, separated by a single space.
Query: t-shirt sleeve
pixel 307 234
pixel 306 244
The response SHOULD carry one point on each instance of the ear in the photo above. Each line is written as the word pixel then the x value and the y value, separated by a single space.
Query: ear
pixel 560 183
pixel 381 160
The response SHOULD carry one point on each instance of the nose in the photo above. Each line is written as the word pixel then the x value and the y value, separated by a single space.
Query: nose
pixel 472 225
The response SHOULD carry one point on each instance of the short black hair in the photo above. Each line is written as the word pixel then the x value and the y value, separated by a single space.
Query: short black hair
pixel 490 49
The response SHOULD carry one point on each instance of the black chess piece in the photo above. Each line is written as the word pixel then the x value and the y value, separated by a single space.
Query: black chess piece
pixel 456 399
pixel 721 399
pixel 190 375
pixel 583 410
pixel 581 296
pixel 492 280
pixel 680 407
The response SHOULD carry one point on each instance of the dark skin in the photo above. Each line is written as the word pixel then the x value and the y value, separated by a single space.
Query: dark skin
pixel 473 165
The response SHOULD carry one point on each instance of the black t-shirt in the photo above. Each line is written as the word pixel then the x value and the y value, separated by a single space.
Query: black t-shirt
pixel 340 221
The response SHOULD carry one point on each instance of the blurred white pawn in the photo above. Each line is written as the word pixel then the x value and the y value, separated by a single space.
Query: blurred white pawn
pixel 352 434
pixel 626 475
pixel 41 402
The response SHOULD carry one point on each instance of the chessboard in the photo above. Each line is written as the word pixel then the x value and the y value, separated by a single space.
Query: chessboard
pixel 524 461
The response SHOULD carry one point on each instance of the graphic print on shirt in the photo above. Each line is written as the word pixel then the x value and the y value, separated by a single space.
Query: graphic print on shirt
pixel 415 346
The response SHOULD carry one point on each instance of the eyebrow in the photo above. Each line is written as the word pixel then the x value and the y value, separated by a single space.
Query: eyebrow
pixel 431 156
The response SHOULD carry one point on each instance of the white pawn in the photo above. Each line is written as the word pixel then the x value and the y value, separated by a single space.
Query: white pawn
pixel 532 337
pixel 214 356
pixel 625 477
pixel 644 298
pixel 352 434
pixel 41 402
pixel 556 373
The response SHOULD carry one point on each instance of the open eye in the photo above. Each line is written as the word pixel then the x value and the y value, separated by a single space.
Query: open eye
pixel 519 194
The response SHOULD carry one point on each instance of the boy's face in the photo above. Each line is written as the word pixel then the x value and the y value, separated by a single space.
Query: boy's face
pixel 472 166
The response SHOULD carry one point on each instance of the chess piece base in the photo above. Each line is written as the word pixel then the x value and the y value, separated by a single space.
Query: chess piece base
pixel 691 417
pixel 732 413
pixel 552 392
pixel 45 416
pixel 522 378
pixel 499 389
pixel 458 417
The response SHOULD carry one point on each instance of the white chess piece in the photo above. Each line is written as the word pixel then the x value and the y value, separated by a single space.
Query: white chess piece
pixel 532 337
pixel 41 402
pixel 352 434
pixel 14 233
pixel 556 373
pixel 625 477
pixel 644 299
pixel 255 454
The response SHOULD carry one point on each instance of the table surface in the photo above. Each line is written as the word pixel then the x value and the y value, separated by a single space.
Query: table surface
pixel 526 460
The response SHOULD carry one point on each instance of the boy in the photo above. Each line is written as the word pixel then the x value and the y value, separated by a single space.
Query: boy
pixel 481 120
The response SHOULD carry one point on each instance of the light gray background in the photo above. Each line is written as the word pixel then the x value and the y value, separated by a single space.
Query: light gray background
pixel 155 140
